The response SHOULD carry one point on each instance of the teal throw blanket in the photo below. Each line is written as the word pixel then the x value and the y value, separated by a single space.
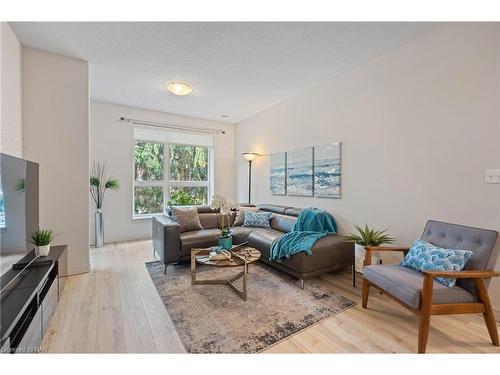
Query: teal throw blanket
pixel 311 225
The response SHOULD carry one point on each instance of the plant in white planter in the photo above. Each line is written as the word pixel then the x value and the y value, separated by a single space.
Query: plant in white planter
pixel 41 239
pixel 367 237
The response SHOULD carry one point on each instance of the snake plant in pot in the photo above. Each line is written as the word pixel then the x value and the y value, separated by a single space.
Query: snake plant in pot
pixel 42 238
pixel 99 183
pixel 368 237
pixel 224 205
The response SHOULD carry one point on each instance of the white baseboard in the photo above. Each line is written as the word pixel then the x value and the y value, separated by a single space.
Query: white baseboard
pixel 123 239
pixel 76 270
pixel 13 250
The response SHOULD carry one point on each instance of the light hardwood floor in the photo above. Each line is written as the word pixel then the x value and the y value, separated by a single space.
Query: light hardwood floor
pixel 116 309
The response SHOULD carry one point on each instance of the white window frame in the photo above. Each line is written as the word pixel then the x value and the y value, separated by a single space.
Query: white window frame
pixel 166 183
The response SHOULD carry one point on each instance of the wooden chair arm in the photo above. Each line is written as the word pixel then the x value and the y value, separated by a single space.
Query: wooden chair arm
pixel 369 249
pixel 462 274
pixel 384 248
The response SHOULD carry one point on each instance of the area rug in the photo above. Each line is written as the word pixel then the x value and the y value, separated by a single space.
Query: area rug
pixel 213 319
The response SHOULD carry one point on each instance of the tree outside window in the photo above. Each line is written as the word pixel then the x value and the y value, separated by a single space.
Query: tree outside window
pixel 186 183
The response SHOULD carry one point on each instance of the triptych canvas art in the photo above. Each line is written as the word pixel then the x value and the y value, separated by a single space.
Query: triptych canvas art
pixel 310 171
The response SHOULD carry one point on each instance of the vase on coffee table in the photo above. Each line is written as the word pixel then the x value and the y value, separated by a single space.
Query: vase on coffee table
pixel 226 242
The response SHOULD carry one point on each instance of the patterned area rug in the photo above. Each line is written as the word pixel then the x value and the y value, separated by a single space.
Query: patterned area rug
pixel 213 319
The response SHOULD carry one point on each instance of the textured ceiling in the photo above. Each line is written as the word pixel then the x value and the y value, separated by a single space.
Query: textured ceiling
pixel 236 69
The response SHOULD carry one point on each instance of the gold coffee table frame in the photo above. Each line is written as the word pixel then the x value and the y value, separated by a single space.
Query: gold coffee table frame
pixel 238 260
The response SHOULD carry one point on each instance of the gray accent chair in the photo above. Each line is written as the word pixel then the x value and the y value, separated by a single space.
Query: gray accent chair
pixel 422 294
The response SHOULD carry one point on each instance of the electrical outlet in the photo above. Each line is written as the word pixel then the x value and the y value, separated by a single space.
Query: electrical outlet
pixel 492 176
pixel 107 222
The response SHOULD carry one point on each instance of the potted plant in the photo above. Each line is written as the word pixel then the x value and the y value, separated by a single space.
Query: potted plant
pixel 182 198
pixel 99 183
pixel 367 237
pixel 41 239
pixel 221 203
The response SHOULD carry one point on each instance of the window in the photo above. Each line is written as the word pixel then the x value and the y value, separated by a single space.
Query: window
pixel 171 167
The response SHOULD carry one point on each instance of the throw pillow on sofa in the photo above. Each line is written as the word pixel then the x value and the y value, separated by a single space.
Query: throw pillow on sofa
pixel 424 256
pixel 240 214
pixel 257 219
pixel 187 218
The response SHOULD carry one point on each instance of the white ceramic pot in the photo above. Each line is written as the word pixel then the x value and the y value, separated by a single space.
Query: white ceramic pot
pixel 43 251
pixel 359 256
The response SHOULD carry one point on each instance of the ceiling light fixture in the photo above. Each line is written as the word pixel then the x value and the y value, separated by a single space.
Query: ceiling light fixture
pixel 179 88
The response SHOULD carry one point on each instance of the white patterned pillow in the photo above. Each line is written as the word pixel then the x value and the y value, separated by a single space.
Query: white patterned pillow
pixel 424 256
pixel 257 219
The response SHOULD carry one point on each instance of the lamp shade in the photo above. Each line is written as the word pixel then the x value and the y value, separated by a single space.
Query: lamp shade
pixel 249 156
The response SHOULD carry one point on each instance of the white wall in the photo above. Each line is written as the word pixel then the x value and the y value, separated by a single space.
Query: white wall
pixel 11 133
pixel 419 126
pixel 56 135
pixel 112 140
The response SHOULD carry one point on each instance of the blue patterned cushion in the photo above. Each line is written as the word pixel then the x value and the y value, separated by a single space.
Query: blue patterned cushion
pixel 424 256
pixel 257 219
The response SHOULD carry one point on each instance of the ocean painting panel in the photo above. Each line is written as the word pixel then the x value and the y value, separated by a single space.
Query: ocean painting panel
pixel 327 171
pixel 300 172
pixel 277 174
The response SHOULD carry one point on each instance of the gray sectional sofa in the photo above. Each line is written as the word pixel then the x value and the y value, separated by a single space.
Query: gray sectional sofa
pixel 329 254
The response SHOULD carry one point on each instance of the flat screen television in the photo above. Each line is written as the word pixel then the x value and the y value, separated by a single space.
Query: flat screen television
pixel 18 209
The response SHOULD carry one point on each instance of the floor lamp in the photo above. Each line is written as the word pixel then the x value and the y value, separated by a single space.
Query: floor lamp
pixel 249 156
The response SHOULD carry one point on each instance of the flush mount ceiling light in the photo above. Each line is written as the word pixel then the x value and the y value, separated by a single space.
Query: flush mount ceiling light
pixel 179 88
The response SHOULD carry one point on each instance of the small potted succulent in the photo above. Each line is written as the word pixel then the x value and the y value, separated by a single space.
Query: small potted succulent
pixel 41 239
pixel 367 237
pixel 221 203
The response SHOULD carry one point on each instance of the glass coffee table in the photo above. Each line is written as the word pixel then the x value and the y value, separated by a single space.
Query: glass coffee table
pixel 240 256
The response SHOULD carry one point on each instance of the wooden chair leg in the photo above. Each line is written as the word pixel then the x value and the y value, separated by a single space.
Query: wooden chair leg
pixel 364 293
pixel 425 314
pixel 489 317
pixel 423 331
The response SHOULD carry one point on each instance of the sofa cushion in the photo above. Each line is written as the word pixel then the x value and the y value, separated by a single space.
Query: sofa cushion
pixel 240 215
pixel 198 239
pixel 293 211
pixel 240 234
pixel 406 285
pixel 206 210
pixel 274 208
pixel 208 220
pixel 262 239
pixel 187 218
pixel 282 223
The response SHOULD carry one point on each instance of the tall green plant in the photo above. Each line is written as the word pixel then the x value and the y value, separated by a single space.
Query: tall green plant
pixel 182 198
pixel 370 237
pixel 42 237
pixel 100 182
